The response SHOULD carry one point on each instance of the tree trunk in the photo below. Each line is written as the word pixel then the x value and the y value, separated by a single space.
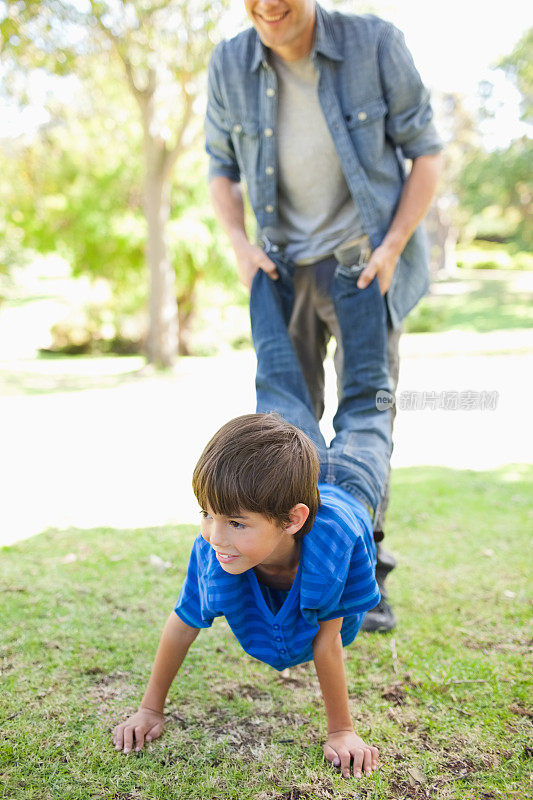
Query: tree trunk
pixel 443 238
pixel 186 310
pixel 162 339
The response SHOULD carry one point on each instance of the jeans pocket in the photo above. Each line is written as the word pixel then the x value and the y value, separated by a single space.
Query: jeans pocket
pixel 349 273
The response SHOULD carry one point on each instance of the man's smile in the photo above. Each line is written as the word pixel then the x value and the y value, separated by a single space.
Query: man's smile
pixel 273 18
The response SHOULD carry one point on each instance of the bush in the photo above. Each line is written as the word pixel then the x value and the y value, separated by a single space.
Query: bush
pixel 425 318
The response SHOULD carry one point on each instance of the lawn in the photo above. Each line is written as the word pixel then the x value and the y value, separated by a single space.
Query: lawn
pixel 445 697
pixel 475 300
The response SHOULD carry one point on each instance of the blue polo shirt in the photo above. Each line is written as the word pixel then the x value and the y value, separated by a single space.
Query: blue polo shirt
pixel 335 578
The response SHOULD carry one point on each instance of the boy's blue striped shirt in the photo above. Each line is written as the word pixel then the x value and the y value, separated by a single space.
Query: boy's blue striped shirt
pixel 335 579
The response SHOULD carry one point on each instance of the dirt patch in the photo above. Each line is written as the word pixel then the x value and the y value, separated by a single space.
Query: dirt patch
pixel 395 693
pixel 521 711
pixel 404 789
pixel 248 735
pixel 491 646
pixel 321 789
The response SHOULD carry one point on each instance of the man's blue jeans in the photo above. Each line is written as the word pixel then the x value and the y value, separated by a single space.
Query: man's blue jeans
pixel 358 456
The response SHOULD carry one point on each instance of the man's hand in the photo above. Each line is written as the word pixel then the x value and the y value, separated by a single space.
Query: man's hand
pixel 250 258
pixel 144 726
pixel 382 263
pixel 342 747
pixel 415 199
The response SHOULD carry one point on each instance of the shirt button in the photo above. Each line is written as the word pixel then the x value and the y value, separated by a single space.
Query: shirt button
pixel 278 639
pixel 269 170
pixel 269 132
pixel 362 116
pixel 237 128
pixel 276 627
pixel 270 92
pixel 282 652
pixel 269 209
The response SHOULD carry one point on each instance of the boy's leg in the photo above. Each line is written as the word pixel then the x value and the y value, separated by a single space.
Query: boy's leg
pixel 360 452
pixel 280 384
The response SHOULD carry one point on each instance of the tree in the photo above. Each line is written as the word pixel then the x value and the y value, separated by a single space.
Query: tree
pixel 76 189
pixel 163 47
pixel 496 188
pixel 519 66
pixel 458 130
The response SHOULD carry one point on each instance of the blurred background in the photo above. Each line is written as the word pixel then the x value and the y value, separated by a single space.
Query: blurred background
pixel 106 230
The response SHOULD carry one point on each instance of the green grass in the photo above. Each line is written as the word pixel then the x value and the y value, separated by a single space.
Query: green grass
pixel 52 373
pixel 483 306
pixel 492 255
pixel 445 698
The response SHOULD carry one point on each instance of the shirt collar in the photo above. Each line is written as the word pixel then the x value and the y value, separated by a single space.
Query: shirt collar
pixel 325 43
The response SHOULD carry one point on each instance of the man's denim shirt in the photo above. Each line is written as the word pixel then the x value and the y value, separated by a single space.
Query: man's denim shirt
pixel 376 108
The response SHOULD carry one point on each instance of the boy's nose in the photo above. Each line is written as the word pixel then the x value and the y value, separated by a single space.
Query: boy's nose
pixel 218 537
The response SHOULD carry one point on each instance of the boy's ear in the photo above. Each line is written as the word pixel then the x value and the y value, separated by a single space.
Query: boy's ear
pixel 297 516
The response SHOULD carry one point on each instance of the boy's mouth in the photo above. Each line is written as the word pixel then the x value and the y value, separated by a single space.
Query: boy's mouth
pixel 225 558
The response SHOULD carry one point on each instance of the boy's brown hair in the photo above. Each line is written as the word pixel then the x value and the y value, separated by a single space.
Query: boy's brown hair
pixel 259 463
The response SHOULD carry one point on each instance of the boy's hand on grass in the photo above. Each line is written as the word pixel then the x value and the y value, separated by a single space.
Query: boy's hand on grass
pixel 343 747
pixel 144 726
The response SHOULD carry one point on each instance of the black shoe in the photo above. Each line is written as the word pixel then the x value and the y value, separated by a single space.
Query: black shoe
pixel 385 563
pixel 380 619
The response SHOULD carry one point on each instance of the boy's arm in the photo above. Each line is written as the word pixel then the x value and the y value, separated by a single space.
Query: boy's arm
pixel 342 744
pixel 148 722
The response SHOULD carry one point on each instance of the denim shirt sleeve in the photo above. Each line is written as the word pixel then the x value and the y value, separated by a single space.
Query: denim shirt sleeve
pixel 409 119
pixel 218 143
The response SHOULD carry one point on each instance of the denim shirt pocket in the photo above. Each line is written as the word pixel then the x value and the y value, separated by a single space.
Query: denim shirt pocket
pixel 366 126
pixel 246 140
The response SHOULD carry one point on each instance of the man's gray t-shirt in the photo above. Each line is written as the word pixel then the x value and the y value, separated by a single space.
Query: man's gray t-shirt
pixel 316 210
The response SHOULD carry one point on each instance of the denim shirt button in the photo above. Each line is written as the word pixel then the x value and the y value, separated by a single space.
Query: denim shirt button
pixel 362 116
pixel 269 170
pixel 270 92
pixel 269 209
pixel 237 128
pixel 269 132
pixel 276 627
pixel 283 651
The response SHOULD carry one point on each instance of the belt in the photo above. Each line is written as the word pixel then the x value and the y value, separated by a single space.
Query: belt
pixel 356 251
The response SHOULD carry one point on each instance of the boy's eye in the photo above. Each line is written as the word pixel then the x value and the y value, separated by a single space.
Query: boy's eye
pixel 235 524
pixel 204 513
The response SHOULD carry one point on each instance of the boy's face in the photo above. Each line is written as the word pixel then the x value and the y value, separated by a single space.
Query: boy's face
pixel 247 540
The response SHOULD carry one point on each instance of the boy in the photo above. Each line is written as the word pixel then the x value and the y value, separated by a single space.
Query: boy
pixel 290 568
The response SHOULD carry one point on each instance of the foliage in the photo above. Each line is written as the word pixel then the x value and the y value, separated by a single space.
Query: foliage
pixel 77 192
pixel 519 65
pixel 82 611
pixel 496 190
pixel 77 188
pixel 161 49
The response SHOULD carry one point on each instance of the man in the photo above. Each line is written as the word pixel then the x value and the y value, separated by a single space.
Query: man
pixel 317 111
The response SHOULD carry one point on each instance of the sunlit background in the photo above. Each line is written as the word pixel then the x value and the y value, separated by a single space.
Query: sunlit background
pixel 92 435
